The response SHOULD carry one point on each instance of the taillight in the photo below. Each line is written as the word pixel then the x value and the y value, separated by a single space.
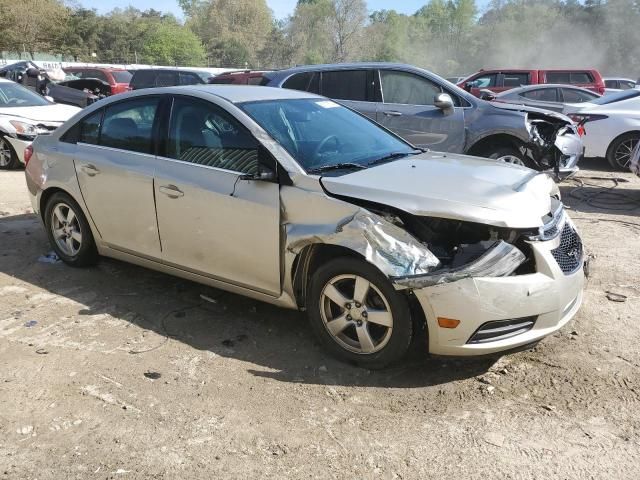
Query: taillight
pixel 601 90
pixel 581 130
pixel 28 152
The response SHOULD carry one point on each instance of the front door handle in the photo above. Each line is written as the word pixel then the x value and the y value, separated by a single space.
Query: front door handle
pixel 90 170
pixel 171 191
pixel 393 113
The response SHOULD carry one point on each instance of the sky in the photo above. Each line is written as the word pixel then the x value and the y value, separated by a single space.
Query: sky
pixel 281 8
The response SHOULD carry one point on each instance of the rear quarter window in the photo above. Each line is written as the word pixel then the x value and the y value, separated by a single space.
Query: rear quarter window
pixel 143 79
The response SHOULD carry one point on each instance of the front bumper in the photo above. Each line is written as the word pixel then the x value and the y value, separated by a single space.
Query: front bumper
pixel 572 149
pixel 19 146
pixel 550 296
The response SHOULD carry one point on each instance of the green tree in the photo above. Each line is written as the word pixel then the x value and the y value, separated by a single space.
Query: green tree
pixel 172 44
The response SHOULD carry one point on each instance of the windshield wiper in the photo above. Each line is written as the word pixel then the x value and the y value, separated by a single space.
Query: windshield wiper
pixel 394 156
pixel 338 166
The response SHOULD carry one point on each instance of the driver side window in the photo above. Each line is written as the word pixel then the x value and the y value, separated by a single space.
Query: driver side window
pixel 407 88
pixel 204 134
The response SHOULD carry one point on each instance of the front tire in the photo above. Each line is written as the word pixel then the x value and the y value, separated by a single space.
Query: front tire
pixel 69 232
pixel 8 157
pixel 357 314
pixel 510 155
pixel 620 150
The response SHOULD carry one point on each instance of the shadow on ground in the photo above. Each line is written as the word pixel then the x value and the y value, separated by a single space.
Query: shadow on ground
pixel 275 343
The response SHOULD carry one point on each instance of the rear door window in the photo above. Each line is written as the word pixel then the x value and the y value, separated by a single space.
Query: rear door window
pixel 129 125
pixel 542 94
pixel 515 79
pixel 611 83
pixel 626 85
pixel 345 85
pixel 557 77
pixel 187 78
pixel 143 79
pixel 580 77
pixel 407 89
pixel 166 79
pixel 96 74
pixel 305 82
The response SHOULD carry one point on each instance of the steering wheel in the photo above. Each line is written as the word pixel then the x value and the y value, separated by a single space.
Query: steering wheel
pixel 324 142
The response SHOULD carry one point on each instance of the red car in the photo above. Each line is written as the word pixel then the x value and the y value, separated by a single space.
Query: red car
pixel 117 78
pixel 240 77
pixel 501 80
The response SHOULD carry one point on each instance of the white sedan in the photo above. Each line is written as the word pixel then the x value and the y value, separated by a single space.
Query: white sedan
pixel 24 115
pixel 611 126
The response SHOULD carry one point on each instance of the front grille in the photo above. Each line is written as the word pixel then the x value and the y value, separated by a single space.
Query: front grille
pixel 569 253
pixel 502 329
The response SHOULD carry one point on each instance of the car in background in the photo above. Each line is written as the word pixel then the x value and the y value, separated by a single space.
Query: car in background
pixel 240 77
pixel 295 200
pixel 455 80
pixel 549 97
pixel 610 125
pixel 167 77
pixel 619 83
pixel 430 112
pixel 23 116
pixel 117 78
pixel 16 71
pixel 504 79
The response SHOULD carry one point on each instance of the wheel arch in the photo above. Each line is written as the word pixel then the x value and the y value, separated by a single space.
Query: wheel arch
pixel 482 146
pixel 636 131
pixel 309 260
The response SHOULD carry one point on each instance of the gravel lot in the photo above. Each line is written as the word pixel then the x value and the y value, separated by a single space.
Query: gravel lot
pixel 121 372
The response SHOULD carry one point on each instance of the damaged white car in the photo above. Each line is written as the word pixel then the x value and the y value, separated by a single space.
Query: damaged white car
pixel 292 199
pixel 23 115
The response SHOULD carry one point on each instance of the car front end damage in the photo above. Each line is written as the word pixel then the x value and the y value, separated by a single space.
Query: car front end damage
pixel 483 289
pixel 20 132
pixel 550 140
pixel 555 144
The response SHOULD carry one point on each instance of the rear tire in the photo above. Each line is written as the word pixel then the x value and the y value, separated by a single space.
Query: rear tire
pixel 619 152
pixel 357 314
pixel 69 232
pixel 8 157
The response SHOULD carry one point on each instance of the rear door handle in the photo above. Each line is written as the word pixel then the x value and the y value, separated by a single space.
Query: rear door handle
pixel 90 170
pixel 393 113
pixel 171 191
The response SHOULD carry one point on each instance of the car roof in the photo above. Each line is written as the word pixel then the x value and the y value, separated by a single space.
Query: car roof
pixel 347 66
pixel 541 86
pixel 619 78
pixel 231 93
pixel 88 67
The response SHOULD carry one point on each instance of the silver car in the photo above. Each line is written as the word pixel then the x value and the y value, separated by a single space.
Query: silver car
pixel 290 198
pixel 548 96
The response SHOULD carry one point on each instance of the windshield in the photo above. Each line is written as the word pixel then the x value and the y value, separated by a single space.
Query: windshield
pixel 14 95
pixel 121 76
pixel 616 97
pixel 319 133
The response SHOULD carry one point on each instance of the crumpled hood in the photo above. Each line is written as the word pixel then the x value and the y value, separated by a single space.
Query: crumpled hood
pixel 453 186
pixel 527 109
pixel 46 113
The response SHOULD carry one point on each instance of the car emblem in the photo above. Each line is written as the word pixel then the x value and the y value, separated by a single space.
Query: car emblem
pixel 573 253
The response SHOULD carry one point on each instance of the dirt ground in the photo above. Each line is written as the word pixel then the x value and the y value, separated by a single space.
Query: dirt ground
pixel 121 372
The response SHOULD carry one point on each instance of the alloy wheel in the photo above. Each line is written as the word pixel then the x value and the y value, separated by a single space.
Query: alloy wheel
pixel 511 159
pixel 356 314
pixel 66 229
pixel 623 153
pixel 5 153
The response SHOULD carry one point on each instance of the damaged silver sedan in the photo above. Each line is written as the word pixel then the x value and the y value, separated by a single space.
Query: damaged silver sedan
pixel 292 199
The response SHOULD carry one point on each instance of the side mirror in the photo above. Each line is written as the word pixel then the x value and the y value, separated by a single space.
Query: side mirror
pixel 487 95
pixel 443 101
pixel 33 72
pixel 264 174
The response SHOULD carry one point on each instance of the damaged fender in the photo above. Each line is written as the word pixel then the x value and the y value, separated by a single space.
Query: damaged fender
pixel 395 252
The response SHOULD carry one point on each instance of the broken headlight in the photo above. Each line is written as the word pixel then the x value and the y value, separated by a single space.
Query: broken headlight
pixel 499 260
pixel 24 130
